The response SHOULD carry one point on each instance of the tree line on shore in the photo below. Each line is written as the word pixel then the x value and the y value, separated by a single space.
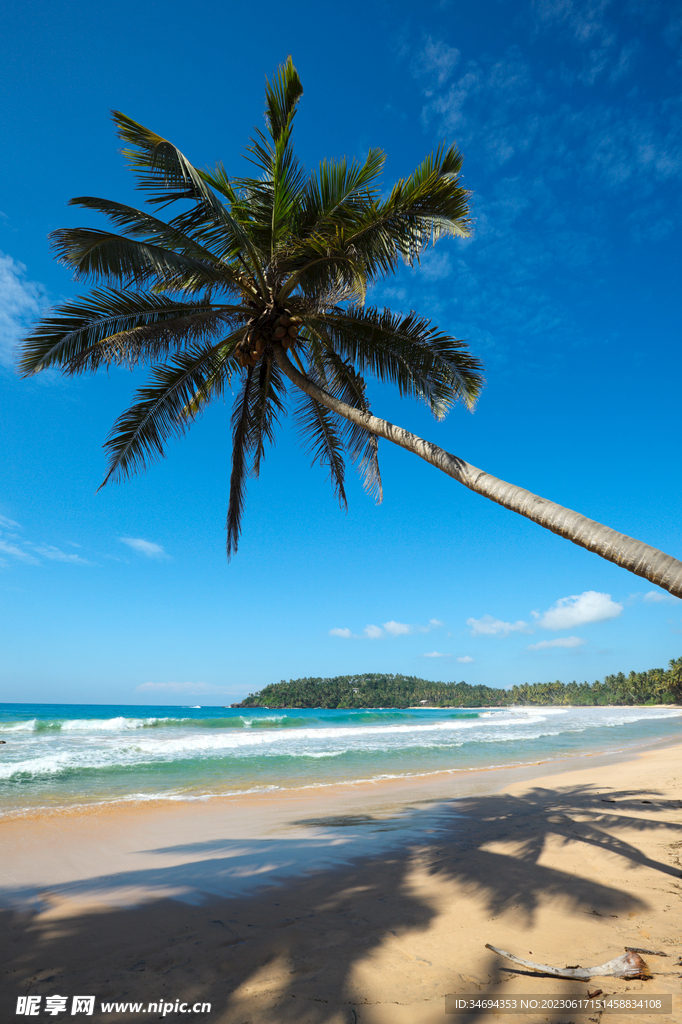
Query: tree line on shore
pixel 376 690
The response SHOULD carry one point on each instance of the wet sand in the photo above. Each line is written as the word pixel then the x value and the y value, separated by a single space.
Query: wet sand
pixel 358 903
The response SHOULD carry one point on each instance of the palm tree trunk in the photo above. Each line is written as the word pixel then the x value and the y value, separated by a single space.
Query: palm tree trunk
pixel 641 559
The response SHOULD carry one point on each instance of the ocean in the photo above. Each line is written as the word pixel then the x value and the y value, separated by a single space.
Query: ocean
pixel 58 756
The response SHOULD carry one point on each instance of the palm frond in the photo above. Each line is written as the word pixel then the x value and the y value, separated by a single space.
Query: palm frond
pixel 277 194
pixel 103 254
pixel 362 446
pixel 215 379
pixel 111 326
pixel 268 405
pixel 142 224
pixel 421 360
pixel 220 181
pixel 161 169
pixel 422 208
pixel 332 267
pixel 241 420
pixel 167 176
pixel 163 409
pixel 336 197
pixel 281 97
pixel 319 434
pixel 233 239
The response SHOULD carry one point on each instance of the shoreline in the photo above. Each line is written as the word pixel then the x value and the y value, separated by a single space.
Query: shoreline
pixel 280 909
pixel 439 780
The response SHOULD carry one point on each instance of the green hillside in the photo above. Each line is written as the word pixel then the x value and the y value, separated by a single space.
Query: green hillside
pixel 373 690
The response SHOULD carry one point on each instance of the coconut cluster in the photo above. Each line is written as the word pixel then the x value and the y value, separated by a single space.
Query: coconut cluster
pixel 284 329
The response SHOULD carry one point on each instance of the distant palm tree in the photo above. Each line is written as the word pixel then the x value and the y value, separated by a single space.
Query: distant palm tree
pixel 675 686
pixel 659 680
pixel 263 280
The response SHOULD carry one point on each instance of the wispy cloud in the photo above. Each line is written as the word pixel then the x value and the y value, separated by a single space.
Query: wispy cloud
pixel 57 555
pixel 14 551
pixel 388 629
pixel 188 689
pixel 657 596
pixel 21 301
pixel 579 609
pixel 588 150
pixel 488 626
pixel 437 654
pixel 145 547
pixel 466 660
pixel 373 632
pixel 20 549
pixel 584 19
pixel 398 628
pixel 435 266
pixel 561 641
pixel 434 62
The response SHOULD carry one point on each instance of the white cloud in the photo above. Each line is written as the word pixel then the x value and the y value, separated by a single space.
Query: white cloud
pixel 466 660
pixel 56 555
pixel 144 547
pixel 579 609
pixel 18 548
pixel 488 626
pixel 373 632
pixel 583 18
pixel 193 689
pixel 20 302
pixel 404 629
pixel 435 61
pixel 655 596
pixel 435 266
pixel 561 641
pixel 566 613
pixel 397 628
pixel 17 552
pixel 437 654
pixel 388 629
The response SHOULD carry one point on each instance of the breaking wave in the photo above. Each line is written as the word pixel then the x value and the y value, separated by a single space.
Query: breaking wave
pixel 69 754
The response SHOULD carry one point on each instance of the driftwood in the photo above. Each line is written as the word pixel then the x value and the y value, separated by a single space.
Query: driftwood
pixel 630 965
pixel 647 952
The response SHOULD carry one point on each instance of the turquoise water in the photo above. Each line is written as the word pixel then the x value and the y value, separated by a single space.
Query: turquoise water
pixel 58 755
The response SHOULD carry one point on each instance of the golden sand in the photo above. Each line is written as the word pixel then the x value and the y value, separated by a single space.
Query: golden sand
pixel 362 904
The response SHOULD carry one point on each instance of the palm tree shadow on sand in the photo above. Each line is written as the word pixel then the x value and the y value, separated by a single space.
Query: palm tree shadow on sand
pixel 297 952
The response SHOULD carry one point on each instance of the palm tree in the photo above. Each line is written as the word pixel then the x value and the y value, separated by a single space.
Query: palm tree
pixel 675 685
pixel 262 281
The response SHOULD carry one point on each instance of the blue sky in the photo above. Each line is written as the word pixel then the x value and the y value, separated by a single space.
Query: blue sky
pixel 569 115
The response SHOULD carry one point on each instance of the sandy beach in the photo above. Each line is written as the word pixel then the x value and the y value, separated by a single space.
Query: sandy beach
pixel 363 903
